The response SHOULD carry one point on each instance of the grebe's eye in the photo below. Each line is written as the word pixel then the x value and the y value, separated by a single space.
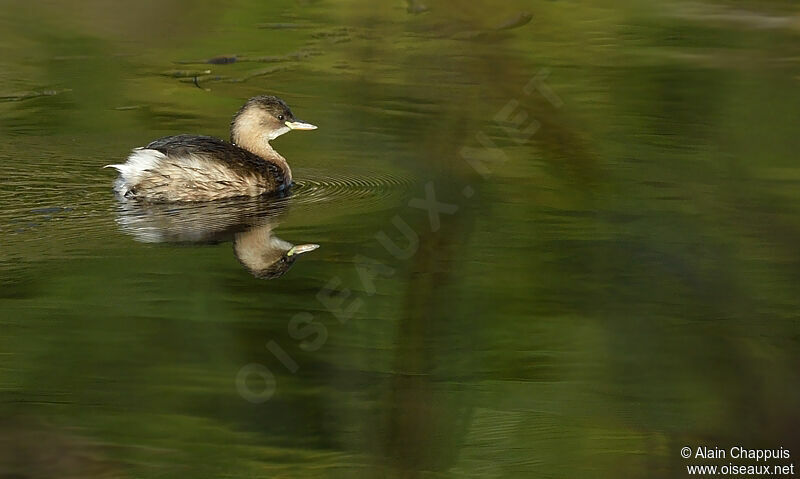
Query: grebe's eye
pixel 280 117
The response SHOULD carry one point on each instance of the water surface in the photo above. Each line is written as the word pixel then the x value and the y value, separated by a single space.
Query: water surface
pixel 557 240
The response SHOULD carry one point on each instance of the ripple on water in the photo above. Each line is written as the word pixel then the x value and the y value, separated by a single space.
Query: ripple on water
pixel 355 189
pixel 81 212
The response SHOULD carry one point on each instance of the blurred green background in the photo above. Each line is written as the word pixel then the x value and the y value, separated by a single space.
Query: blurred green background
pixel 624 284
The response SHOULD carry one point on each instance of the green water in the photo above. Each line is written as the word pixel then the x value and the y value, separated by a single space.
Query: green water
pixel 609 271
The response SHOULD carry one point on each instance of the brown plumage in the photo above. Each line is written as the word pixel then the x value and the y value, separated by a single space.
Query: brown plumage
pixel 198 168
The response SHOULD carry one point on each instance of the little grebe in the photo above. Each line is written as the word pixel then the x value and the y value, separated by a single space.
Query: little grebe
pixel 199 168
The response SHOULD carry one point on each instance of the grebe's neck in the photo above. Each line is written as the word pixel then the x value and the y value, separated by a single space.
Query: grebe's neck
pixel 258 249
pixel 247 133
pixel 262 148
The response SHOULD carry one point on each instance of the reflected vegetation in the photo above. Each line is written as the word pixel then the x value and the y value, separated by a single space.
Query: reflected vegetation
pixel 31 449
pixel 619 282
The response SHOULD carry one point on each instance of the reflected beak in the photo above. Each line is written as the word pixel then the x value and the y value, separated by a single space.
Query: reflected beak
pixel 299 125
pixel 301 248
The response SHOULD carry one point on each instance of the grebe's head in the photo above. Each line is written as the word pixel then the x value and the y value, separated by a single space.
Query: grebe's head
pixel 266 256
pixel 264 118
pixel 282 263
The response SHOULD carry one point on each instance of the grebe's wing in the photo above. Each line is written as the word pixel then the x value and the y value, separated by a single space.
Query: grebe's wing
pixel 194 168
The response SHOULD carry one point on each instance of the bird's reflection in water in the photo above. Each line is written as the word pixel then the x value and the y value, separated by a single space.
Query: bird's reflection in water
pixel 247 222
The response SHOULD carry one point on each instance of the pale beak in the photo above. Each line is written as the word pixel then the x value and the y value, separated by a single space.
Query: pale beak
pixel 299 125
pixel 301 248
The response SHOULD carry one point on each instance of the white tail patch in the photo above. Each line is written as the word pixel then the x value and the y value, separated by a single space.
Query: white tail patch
pixel 139 163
